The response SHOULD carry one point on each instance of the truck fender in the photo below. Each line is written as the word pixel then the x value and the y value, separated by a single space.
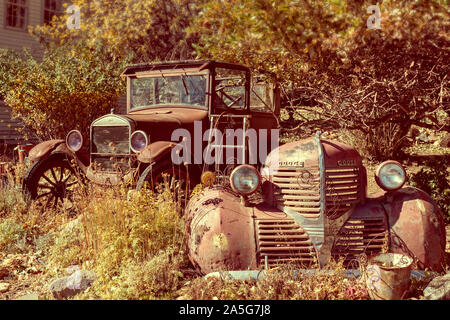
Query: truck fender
pixel 45 149
pixel 220 231
pixel 416 227
pixel 155 151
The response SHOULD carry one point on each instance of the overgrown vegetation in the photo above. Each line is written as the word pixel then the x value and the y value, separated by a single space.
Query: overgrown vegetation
pixel 376 83
pixel 335 74
pixel 66 90
pixel 433 178
pixel 136 246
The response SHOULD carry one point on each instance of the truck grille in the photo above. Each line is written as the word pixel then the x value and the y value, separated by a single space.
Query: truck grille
pixel 110 140
pixel 110 146
pixel 283 241
pixel 342 190
pixel 359 237
pixel 298 189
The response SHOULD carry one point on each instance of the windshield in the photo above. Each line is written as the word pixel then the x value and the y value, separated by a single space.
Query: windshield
pixel 163 90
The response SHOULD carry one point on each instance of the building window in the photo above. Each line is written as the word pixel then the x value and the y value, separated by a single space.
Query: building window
pixel 51 8
pixel 16 14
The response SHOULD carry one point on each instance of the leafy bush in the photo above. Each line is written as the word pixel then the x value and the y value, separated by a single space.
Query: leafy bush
pixel 11 234
pixel 156 278
pixel 72 86
pixel 66 247
pixel 433 178
pixel 134 245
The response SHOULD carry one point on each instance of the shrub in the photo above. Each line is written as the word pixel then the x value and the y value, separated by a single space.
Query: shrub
pixel 12 234
pixel 383 143
pixel 156 278
pixel 433 178
pixel 72 86
pixel 135 245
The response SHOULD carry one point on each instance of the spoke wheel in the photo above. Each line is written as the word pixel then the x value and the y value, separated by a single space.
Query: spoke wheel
pixel 51 182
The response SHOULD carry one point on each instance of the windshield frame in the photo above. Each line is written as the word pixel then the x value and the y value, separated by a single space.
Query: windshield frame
pixel 168 73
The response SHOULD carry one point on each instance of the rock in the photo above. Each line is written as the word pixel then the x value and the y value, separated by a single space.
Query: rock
pixel 445 142
pixel 73 226
pixel 31 296
pixel 4 286
pixel 71 269
pixel 438 288
pixel 67 287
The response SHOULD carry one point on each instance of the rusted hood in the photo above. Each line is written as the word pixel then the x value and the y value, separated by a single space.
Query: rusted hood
pixel 174 115
pixel 303 153
pixel 160 123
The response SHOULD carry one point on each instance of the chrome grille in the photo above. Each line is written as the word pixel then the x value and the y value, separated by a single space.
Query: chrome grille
pixel 298 189
pixel 359 237
pixel 283 241
pixel 342 190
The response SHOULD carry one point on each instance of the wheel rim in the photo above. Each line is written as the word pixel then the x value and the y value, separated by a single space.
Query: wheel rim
pixel 55 185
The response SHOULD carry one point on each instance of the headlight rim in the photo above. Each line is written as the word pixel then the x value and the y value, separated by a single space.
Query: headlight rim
pixel 233 187
pixel 378 178
pixel 81 138
pixel 146 141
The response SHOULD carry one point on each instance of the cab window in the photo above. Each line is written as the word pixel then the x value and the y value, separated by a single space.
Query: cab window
pixel 229 88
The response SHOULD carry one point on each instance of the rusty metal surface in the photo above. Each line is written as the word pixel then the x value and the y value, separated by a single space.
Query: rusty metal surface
pixel 354 227
pixel 155 151
pixel 181 65
pixel 417 228
pixel 338 154
pixel 281 239
pixel 364 234
pixel 43 149
pixel 168 114
pixel 388 276
pixel 220 232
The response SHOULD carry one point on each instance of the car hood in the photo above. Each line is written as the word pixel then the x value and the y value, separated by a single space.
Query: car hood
pixel 175 116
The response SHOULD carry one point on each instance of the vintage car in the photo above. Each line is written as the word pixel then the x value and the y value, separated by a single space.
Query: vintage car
pixel 307 205
pixel 162 99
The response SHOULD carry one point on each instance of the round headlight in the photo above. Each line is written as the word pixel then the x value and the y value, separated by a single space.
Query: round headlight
pixel 138 141
pixel 74 140
pixel 245 179
pixel 390 175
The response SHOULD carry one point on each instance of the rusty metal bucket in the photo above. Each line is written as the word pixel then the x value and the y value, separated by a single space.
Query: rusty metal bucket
pixel 387 276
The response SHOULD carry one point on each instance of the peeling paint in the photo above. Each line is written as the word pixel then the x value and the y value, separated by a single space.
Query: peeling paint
pixel 220 241
pixel 421 206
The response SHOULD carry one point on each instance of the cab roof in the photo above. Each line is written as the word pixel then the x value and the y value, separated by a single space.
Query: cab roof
pixel 173 65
